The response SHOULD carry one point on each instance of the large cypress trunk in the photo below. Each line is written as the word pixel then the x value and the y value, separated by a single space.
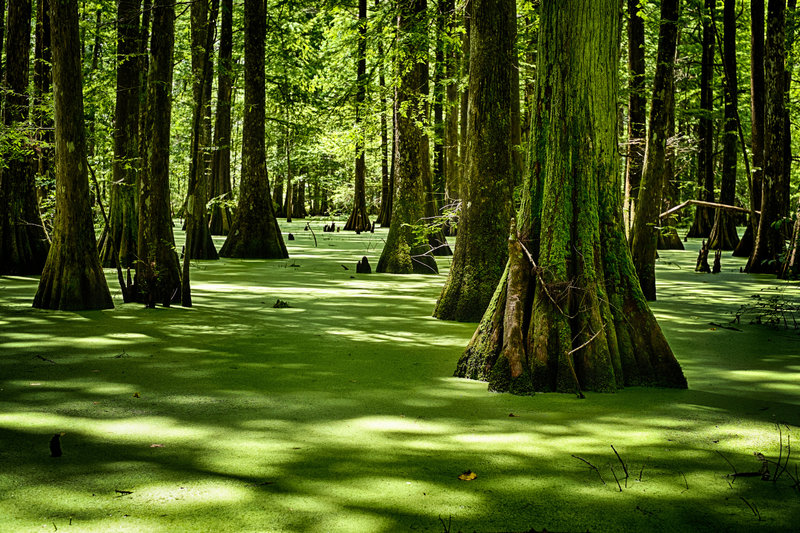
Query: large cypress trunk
pixel 404 252
pixel 723 234
pixel 220 187
pixel 72 277
pixel 637 109
pixel 704 216
pixel 255 233
pixel 23 242
pixel 120 235
pixel 646 221
pixel 158 275
pixel 769 238
pixel 481 253
pixel 569 315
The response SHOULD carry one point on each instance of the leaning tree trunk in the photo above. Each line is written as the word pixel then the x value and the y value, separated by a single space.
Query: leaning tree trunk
pixel 769 238
pixel 757 84
pixel 23 242
pixel 72 277
pixel 637 110
pixel 404 251
pixel 255 233
pixel 480 256
pixel 704 216
pixel 118 242
pixel 646 221
pixel 220 187
pixel 358 220
pixel 723 234
pixel 569 314
pixel 158 276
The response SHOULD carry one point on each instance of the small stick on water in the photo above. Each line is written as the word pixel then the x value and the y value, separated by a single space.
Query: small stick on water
pixel 730 463
pixel 592 467
pixel 615 478
pixel 685 481
pixel 752 508
pixel 640 473
pixel 624 467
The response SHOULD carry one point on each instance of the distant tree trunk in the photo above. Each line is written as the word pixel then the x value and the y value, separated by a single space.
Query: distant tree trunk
pixel 120 235
pixel 745 247
pixel 299 200
pixel 23 242
pixel 703 218
pixel 144 66
pixel 452 163
pixel 646 221
pixel 72 277
pixel 790 30
pixel 637 110
pixel 255 233
pixel 95 65
pixel 438 180
pixel 464 103
pixel 287 207
pixel 482 249
pixel 385 212
pixel 723 234
pixel 404 252
pixel 220 220
pixel 569 314
pixel 158 274
pixel 2 42
pixel 277 196
pixel 668 238
pixel 769 238
pixel 358 220
pixel 42 82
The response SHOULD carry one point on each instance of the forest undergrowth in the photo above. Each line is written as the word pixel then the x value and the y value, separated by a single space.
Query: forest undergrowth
pixel 336 411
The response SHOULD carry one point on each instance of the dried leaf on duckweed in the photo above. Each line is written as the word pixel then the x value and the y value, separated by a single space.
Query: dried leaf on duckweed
pixel 156 445
pixel 136 395
pixel 468 475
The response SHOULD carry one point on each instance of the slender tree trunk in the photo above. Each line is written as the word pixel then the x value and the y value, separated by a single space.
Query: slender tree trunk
pixel 72 277
pixel 385 212
pixel 637 109
pixel 757 84
pixel 23 242
pixel 723 234
pixel 464 103
pixel 668 238
pixel 288 208
pixel 42 82
pixel 92 119
pixel 703 218
pixel 769 238
pixel 144 65
pixel 220 219
pixel 2 42
pixel 452 163
pixel 403 252
pixel 646 221
pixel 158 271
pixel 120 235
pixel 277 196
pixel 569 314
pixel 790 30
pixel 255 232
pixel 481 253
pixel 358 220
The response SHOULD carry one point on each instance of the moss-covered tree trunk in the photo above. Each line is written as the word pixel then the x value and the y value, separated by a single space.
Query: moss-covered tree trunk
pixel 42 87
pixel 220 186
pixel 158 276
pixel 757 84
pixel 120 235
pixel 646 223
pixel 452 162
pixel 255 233
pixel 385 210
pixel 769 237
pixel 358 220
pixel 723 234
pixel 668 238
pixel 637 109
pixel 23 242
pixel 72 277
pixel 481 254
pixel 407 251
pixel 704 216
pixel 569 315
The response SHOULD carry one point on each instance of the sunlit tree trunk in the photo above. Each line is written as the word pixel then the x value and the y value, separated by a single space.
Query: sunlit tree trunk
pixel 569 314
pixel 637 109
pixel 72 277
pixel 220 219
pixel 482 250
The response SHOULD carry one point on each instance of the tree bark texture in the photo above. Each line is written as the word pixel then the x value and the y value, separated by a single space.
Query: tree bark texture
pixel 406 251
pixel 42 86
pixel 158 275
pixel 23 242
pixel 481 254
pixel 220 187
pixel 569 315
pixel 385 211
pixel 358 220
pixel 255 233
pixel 72 278
pixel 637 109
pixel 452 162
pixel 646 222
pixel 723 234
pixel 769 238
pixel 668 238
pixel 120 235
pixel 704 217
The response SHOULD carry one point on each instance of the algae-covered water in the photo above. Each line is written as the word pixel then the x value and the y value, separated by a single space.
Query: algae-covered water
pixel 339 413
